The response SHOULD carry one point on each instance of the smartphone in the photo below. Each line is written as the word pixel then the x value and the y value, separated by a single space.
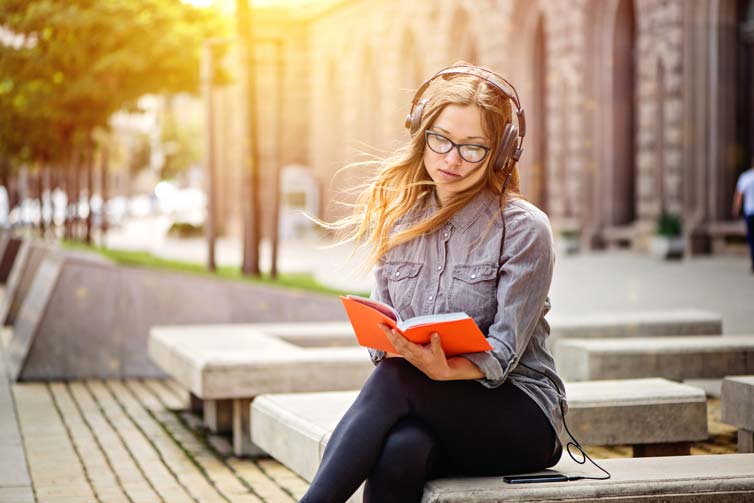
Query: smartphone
pixel 529 479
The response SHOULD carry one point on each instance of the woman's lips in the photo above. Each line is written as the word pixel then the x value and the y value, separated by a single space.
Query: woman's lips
pixel 449 174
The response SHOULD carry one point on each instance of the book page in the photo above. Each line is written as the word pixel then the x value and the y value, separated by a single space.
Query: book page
pixel 431 319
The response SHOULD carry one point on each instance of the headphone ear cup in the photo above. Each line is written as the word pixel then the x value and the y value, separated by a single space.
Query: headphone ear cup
pixel 507 147
pixel 414 119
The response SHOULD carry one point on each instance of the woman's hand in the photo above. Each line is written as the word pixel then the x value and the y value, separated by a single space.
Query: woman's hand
pixel 430 359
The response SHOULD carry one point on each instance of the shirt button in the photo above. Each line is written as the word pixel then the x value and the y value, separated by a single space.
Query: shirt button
pixel 446 234
pixel 397 273
pixel 473 276
pixel 430 297
pixel 439 268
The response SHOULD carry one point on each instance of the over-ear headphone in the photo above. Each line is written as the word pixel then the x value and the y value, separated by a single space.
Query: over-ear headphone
pixel 511 144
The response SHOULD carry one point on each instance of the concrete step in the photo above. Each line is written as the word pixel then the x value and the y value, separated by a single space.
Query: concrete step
pixel 637 324
pixel 738 408
pixel 675 358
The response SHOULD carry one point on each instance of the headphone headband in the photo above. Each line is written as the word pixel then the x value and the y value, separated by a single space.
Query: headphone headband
pixel 511 145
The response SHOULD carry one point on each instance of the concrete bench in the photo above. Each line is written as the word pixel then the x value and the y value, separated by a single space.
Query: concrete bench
pixel 636 324
pixel 295 428
pixel 721 232
pixel 675 358
pixel 738 408
pixel 656 416
pixel 226 366
pixel 692 479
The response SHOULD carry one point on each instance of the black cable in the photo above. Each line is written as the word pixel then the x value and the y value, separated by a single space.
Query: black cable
pixel 575 442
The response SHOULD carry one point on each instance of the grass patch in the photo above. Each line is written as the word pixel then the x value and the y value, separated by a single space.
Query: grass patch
pixel 299 281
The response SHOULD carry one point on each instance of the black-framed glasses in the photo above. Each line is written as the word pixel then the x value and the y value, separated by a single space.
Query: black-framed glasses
pixel 468 151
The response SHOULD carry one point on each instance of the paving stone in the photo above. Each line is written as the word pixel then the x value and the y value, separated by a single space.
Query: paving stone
pixel 52 459
pixel 123 464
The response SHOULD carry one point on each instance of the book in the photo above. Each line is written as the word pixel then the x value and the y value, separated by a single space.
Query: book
pixel 459 332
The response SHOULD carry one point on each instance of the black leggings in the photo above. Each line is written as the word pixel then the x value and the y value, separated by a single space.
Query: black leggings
pixel 405 428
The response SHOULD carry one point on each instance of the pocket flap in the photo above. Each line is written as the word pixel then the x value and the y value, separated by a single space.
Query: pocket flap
pixel 475 273
pixel 401 270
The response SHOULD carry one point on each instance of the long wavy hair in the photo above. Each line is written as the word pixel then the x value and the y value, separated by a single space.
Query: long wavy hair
pixel 402 181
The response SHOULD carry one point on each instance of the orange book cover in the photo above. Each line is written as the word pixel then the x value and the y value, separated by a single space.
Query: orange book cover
pixel 458 331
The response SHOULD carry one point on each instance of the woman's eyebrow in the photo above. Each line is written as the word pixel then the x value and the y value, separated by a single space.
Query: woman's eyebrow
pixel 467 138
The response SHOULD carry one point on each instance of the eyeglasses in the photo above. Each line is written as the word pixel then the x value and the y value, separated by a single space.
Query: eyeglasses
pixel 442 145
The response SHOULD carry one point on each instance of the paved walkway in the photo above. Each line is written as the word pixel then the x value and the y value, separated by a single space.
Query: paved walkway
pixel 128 441
pixel 582 284
pixel 132 441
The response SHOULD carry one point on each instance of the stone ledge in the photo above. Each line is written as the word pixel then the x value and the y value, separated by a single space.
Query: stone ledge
pixel 675 358
pixel 718 478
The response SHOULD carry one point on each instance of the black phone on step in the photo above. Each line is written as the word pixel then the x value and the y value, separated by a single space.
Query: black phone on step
pixel 530 479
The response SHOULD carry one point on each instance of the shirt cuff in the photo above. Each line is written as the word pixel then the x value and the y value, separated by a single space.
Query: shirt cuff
pixel 494 375
pixel 376 355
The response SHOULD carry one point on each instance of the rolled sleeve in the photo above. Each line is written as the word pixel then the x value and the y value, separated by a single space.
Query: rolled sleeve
pixel 525 275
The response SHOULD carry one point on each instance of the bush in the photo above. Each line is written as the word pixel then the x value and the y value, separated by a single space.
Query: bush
pixel 186 230
pixel 668 225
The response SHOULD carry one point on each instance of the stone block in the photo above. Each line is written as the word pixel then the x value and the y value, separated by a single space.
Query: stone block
pixel 30 255
pixel 710 478
pixel 737 406
pixel 90 319
pixel 635 411
pixel 638 324
pixel 9 247
pixel 675 358
pixel 246 360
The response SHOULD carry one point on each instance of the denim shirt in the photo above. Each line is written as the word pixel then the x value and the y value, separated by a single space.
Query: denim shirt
pixel 495 267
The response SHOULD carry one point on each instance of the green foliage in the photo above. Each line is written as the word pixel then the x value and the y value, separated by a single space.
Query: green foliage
pixel 182 144
pixel 79 61
pixel 298 281
pixel 186 230
pixel 569 233
pixel 668 225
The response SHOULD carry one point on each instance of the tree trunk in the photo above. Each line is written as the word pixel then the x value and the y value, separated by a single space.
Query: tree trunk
pixel 274 234
pixel 89 188
pixel 251 219
pixel 208 62
pixel 69 182
pixel 41 197
pixel 104 188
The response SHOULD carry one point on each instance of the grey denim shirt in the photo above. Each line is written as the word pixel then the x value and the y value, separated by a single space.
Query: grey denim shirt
pixel 496 267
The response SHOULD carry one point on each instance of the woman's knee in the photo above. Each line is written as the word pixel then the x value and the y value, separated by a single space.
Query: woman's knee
pixel 406 454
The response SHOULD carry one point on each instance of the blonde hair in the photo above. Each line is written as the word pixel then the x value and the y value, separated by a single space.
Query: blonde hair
pixel 402 180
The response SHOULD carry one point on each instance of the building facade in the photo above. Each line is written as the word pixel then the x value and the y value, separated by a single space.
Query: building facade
pixel 634 108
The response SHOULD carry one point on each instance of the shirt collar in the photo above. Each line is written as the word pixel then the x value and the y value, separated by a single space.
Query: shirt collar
pixel 467 215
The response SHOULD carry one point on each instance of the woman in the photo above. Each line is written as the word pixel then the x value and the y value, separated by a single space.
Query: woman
pixel 450 232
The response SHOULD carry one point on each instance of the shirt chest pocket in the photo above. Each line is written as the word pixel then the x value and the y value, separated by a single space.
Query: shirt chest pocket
pixel 473 290
pixel 401 282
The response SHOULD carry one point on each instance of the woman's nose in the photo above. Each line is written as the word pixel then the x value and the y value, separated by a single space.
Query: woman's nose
pixel 453 157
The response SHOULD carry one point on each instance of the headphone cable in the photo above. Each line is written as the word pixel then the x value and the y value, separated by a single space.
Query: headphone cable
pixel 575 442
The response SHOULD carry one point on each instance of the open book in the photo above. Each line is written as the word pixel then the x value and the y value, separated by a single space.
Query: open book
pixel 458 331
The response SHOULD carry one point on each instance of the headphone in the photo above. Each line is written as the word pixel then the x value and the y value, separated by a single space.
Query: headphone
pixel 511 144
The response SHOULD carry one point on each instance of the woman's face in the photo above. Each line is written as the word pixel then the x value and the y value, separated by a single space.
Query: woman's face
pixel 461 124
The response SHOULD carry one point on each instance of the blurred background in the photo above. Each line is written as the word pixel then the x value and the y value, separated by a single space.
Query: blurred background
pixel 203 131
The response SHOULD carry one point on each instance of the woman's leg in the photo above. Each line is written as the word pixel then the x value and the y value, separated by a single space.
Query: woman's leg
pixel 409 457
pixel 485 431
pixel 355 444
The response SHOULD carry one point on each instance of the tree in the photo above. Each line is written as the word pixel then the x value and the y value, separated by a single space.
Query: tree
pixel 77 62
